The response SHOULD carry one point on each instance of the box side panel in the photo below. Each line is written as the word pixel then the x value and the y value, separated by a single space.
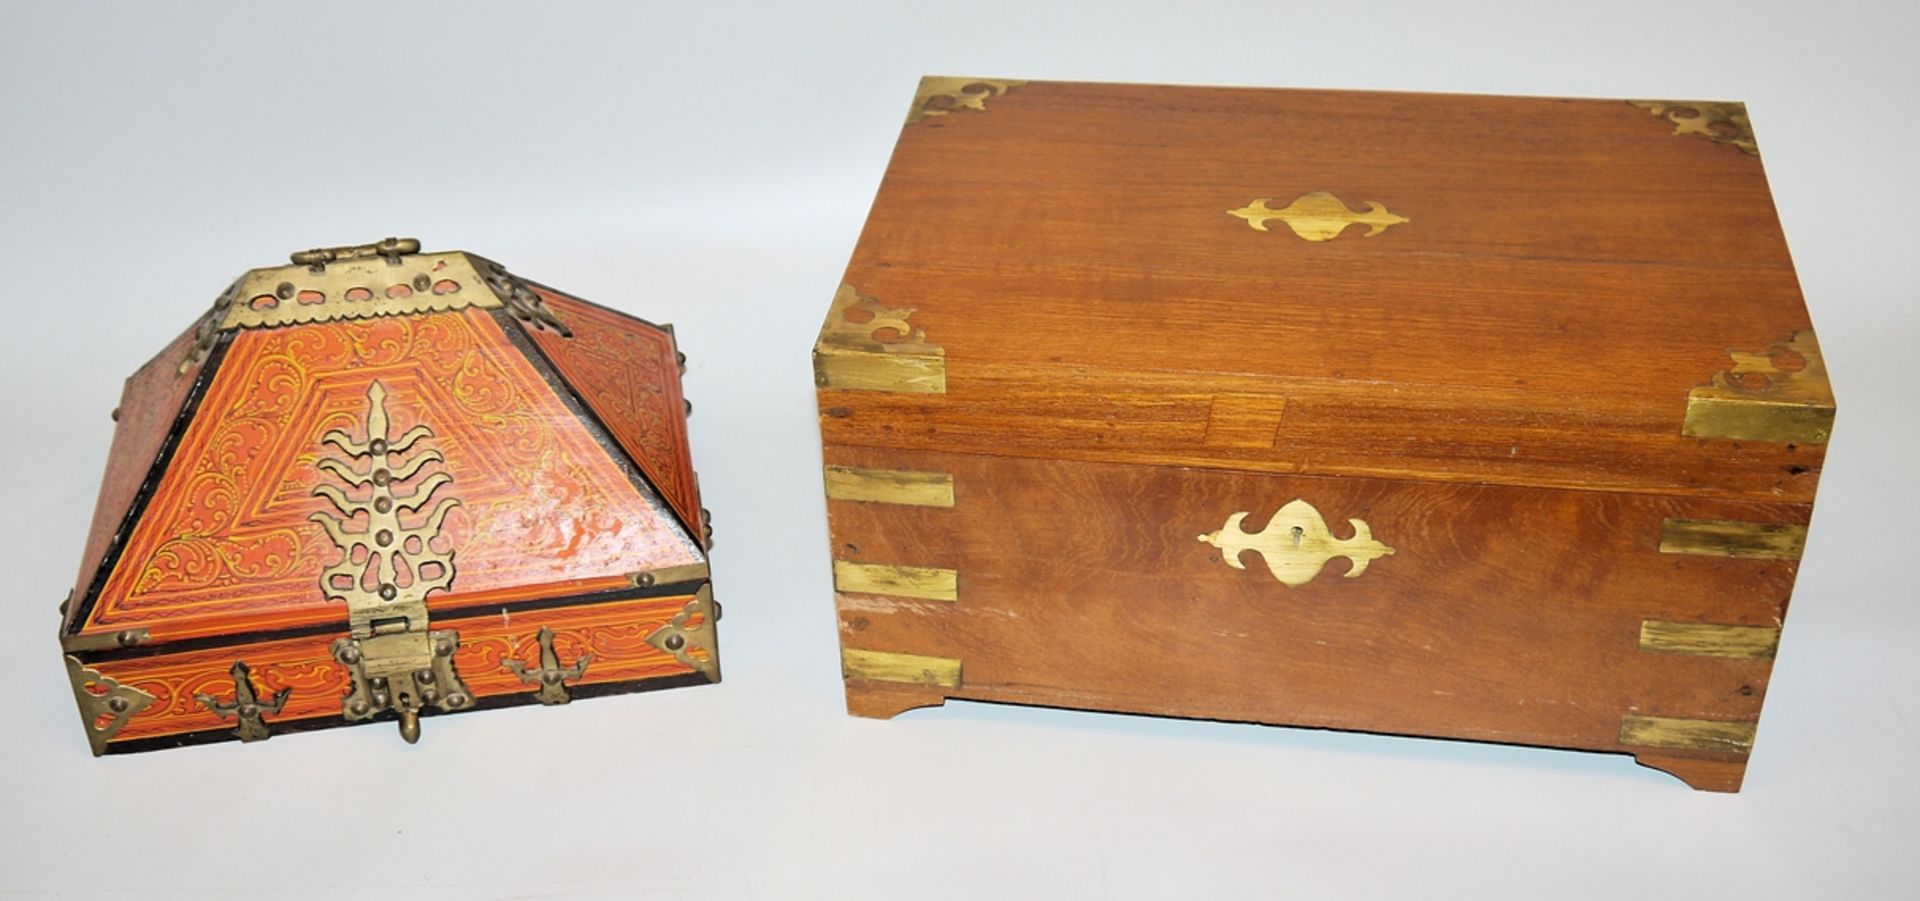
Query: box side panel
pixel 1611 622
pixel 612 637
pixel 150 407
pixel 1490 435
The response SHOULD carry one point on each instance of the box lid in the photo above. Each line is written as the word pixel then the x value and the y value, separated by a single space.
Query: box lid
pixel 374 433
pixel 1590 294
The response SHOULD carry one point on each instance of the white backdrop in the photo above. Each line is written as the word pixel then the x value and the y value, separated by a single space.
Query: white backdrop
pixel 710 164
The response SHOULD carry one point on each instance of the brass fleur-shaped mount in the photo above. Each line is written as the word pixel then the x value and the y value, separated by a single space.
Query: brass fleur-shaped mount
pixel 1296 544
pixel 940 95
pixel 1720 122
pixel 1319 216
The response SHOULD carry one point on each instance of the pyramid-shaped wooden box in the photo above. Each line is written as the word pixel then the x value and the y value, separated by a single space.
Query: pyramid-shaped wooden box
pixel 378 485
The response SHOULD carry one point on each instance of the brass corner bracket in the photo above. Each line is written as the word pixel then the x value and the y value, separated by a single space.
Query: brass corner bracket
pixel 550 676
pixel 869 346
pixel 689 636
pixel 1296 544
pixel 1780 395
pixel 105 704
pixel 1722 122
pixel 246 706
pixel 941 95
pixel 1319 216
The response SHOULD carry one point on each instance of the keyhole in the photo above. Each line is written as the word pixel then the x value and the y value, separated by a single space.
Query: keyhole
pixel 1297 532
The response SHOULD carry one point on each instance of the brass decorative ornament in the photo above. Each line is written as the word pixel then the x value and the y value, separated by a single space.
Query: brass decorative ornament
pixel 929 583
pixel 941 95
pixel 551 676
pixel 1319 216
pixel 869 346
pixel 1716 736
pixel 386 278
pixel 246 706
pixel 105 704
pixel 1733 538
pixel 1779 395
pixel 1722 122
pixel 1709 639
pixel 889 486
pixel 387 569
pixel 689 636
pixel 1296 544
pixel 909 669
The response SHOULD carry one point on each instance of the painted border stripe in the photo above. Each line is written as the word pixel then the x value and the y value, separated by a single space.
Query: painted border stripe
pixel 1728 538
pixel 883 666
pixel 926 582
pixel 1709 639
pixel 889 486
pixel 1722 736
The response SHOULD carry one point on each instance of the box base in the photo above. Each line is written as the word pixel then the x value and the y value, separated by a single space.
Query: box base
pixel 886 700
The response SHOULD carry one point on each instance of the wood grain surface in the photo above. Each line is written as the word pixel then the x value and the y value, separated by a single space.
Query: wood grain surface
pixel 1491 367
pixel 1503 614
pixel 1569 271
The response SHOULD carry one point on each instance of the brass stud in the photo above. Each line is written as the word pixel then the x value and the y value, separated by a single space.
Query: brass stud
pixel 284 291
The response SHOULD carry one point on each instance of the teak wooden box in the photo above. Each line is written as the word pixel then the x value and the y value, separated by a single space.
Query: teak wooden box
pixel 1479 417
pixel 379 484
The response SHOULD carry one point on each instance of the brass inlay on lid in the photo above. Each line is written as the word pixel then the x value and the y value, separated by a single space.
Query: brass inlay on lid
pixel 1319 216
pixel 1722 122
pixel 940 95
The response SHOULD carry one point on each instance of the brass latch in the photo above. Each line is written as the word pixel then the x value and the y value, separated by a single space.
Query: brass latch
pixel 386 570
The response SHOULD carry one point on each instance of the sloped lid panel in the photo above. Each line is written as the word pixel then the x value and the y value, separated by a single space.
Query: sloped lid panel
pixel 150 404
pixel 228 544
pixel 628 373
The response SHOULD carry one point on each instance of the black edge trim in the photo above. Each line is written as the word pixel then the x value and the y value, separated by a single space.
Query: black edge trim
pixel 436 618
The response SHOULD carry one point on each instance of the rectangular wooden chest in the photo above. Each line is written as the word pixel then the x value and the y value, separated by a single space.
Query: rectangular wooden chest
pixel 1478 417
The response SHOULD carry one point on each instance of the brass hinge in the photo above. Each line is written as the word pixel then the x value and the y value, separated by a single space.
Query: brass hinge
pixel 396 662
